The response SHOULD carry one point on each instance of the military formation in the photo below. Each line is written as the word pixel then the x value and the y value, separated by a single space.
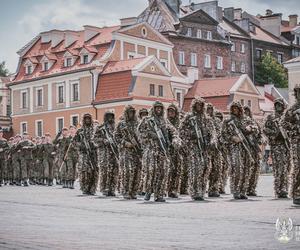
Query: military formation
pixel 163 152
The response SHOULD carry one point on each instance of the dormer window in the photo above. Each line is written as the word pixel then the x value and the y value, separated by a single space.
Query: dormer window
pixel 189 32
pixel 209 35
pixel 29 69
pixel 45 66
pixel 85 59
pixel 68 62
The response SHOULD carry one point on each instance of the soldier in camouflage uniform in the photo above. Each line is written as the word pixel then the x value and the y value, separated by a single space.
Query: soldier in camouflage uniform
pixel 176 160
pixel 26 147
pixel 130 153
pixel 280 148
pixel 291 123
pixel 3 150
pixel 232 130
pixel 107 155
pixel 62 145
pixel 215 156
pixel 255 140
pixel 224 160
pixel 72 159
pixel 87 167
pixel 157 136
pixel 197 131
pixel 143 113
pixel 38 161
pixel 16 160
pixel 48 159
pixel 9 162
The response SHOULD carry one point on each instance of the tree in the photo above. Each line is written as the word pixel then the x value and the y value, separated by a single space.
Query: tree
pixel 3 70
pixel 269 71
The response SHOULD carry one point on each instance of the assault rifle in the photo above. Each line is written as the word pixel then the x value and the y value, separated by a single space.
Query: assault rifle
pixel 133 140
pixel 163 143
pixel 243 139
pixel 200 139
pixel 66 155
pixel 297 115
pixel 283 133
pixel 112 142
pixel 87 148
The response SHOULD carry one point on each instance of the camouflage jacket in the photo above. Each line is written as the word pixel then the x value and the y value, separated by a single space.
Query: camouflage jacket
pixel 4 147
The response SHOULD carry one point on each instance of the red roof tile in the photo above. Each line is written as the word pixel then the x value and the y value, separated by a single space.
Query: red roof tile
pixel 212 87
pixel 124 65
pixel 114 86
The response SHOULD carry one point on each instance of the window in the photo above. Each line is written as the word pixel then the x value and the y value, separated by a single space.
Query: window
pixel 160 90
pixel 39 97
pixel 280 58
pixel 39 128
pixel 209 35
pixel 85 59
pixel 75 92
pixel 164 63
pixel 179 98
pixel 194 59
pixel 29 69
pixel 60 94
pixel 242 48
pixel 75 120
pixel 298 40
pixel 219 62
pixel 233 46
pixel 243 67
pixel 45 66
pixel 233 66
pixel 242 102
pixel 189 32
pixel 199 33
pixel 258 53
pixel 249 103
pixel 59 124
pixel 68 62
pixel 144 32
pixel 23 127
pixel 207 61
pixel 181 58
pixel 152 90
pixel 24 99
pixel 8 110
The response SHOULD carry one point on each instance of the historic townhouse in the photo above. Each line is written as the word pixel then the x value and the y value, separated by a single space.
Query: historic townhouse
pixel 293 67
pixel 198 39
pixel 64 74
pixel 5 106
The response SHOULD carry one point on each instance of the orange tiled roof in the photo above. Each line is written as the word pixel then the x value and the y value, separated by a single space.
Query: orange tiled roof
pixel 124 65
pixel 98 45
pixel 212 87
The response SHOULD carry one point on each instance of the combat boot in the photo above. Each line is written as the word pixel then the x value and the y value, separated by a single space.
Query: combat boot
pixel 243 197
pixel 214 194
pixel 160 199
pixel 251 194
pixel 173 195
pixel 26 184
pixel 147 197
pixel 296 201
pixel 283 195
pixel 111 193
pixel 198 198
pixel 64 184
pixel 237 196
pixel 50 182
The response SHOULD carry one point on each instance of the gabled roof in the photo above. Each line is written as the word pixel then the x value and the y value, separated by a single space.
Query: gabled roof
pixel 119 66
pixel 198 16
pixel 294 60
pixel 233 28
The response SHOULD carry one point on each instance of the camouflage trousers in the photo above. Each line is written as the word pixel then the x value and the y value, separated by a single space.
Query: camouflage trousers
pixel 254 171
pixel 16 166
pixel 130 172
pixel 239 175
pixel 88 175
pixel 144 171
pixel 215 173
pixel 68 170
pixel 3 170
pixel 109 170
pixel 174 173
pixel 26 168
pixel 281 168
pixel 156 172
pixel 184 175
pixel 199 170
pixel 48 168
pixel 223 176
pixel 295 175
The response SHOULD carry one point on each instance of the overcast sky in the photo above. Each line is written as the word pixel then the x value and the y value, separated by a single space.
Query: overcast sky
pixel 21 20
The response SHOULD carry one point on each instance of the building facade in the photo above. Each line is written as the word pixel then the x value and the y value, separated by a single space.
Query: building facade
pixel 5 107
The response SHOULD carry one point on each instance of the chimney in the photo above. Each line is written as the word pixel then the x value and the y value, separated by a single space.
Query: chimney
pixel 229 13
pixel 269 12
pixel 237 14
pixel 174 5
pixel 192 74
pixel 293 20
pixel 128 21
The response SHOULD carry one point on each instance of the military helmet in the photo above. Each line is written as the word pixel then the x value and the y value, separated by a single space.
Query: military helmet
pixel 158 104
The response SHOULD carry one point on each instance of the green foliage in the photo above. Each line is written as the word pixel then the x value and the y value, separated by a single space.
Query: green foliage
pixel 269 71
pixel 3 70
